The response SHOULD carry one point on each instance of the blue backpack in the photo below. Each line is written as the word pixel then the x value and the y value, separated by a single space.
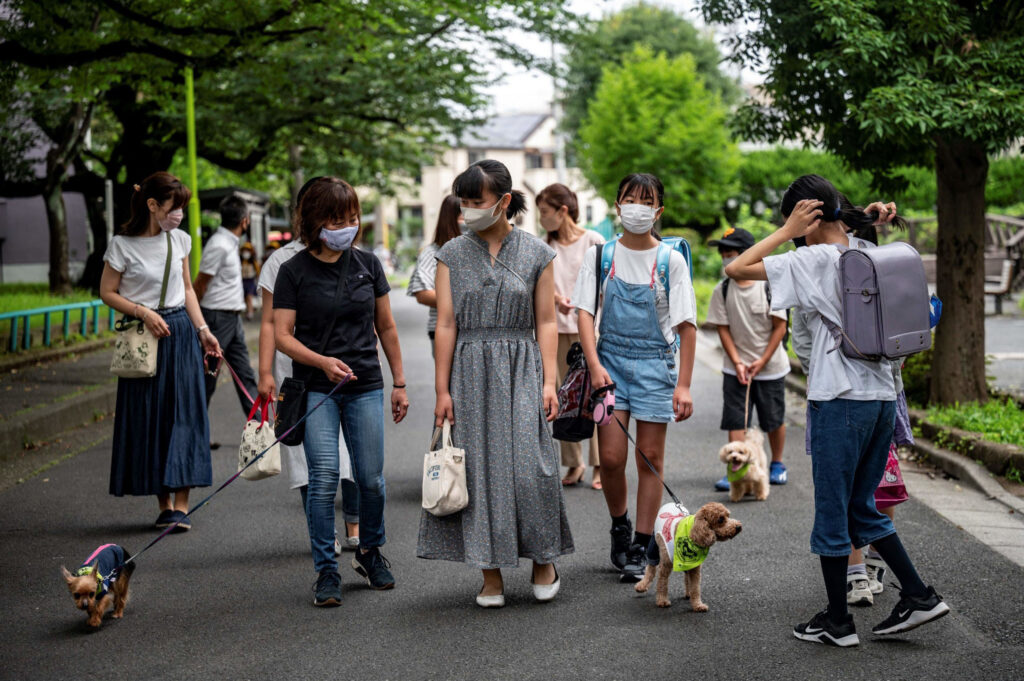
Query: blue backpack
pixel 668 244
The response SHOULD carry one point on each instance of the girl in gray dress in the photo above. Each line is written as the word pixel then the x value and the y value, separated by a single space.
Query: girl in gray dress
pixel 496 385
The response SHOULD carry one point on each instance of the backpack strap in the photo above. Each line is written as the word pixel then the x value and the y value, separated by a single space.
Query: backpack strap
pixel 607 253
pixel 661 265
pixel 725 289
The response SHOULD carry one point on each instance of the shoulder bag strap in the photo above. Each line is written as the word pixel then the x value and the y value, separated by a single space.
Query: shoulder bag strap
pixel 499 261
pixel 167 273
pixel 342 283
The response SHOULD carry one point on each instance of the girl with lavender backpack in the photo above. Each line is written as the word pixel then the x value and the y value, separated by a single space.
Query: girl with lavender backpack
pixel 852 412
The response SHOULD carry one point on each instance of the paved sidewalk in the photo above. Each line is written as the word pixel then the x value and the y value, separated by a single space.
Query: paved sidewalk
pixel 232 598
pixel 989 521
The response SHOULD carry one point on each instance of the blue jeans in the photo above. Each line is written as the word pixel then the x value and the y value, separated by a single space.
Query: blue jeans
pixel 361 418
pixel 849 449
pixel 349 500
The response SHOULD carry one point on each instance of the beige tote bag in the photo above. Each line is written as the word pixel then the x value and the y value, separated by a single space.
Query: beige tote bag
pixel 444 475
pixel 135 347
pixel 257 436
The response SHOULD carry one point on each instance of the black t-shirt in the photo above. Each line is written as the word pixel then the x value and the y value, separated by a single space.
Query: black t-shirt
pixel 307 285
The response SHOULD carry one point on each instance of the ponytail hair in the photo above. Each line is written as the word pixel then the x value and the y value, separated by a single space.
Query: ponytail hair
pixel 160 187
pixel 835 206
pixel 494 177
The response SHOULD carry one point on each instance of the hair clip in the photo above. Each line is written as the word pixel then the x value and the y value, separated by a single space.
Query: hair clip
pixel 136 187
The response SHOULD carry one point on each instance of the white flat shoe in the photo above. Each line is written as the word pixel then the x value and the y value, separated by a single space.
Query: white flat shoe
pixel 496 601
pixel 546 592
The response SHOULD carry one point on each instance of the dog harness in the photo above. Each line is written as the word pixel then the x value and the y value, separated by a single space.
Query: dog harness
pixel 674 523
pixel 106 559
pixel 736 476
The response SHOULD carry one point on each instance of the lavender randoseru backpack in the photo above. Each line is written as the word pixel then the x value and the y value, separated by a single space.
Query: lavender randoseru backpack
pixel 885 302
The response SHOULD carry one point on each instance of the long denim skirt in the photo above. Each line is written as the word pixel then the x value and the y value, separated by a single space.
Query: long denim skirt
pixel 161 429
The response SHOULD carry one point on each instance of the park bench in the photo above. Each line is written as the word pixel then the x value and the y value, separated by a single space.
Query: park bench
pixel 1000 286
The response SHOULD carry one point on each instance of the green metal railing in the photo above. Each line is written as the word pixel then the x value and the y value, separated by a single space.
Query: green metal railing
pixel 89 322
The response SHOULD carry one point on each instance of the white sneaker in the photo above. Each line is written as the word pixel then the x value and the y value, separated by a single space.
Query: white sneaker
pixel 858 590
pixel 876 568
pixel 337 545
pixel 547 592
pixel 496 601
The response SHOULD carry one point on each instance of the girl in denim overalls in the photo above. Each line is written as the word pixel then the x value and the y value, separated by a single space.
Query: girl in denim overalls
pixel 643 322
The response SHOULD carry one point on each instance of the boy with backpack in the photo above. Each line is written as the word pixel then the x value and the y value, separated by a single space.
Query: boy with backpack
pixel 752 336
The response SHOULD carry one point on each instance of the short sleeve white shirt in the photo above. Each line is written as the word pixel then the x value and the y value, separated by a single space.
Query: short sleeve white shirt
pixel 268 273
pixel 141 261
pixel 222 261
pixel 808 279
pixel 634 267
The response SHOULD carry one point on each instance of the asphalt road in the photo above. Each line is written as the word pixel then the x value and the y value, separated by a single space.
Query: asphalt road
pixel 232 599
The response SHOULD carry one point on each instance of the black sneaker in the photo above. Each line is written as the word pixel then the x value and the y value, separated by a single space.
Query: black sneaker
pixel 374 567
pixel 636 563
pixel 911 612
pixel 328 589
pixel 821 629
pixel 621 537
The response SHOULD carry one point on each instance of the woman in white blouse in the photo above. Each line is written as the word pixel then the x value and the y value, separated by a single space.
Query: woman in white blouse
pixel 161 430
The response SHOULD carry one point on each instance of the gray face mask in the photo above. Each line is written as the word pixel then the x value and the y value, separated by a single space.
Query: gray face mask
pixel 479 219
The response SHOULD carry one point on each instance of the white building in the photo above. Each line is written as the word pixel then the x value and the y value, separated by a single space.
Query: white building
pixel 526 144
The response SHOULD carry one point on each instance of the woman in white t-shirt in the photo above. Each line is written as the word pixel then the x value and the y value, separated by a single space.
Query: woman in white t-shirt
pixel 643 321
pixel 161 430
pixel 559 211
pixel 851 410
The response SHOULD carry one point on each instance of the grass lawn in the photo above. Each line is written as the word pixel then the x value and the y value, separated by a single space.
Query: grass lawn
pixel 15 297
pixel 995 421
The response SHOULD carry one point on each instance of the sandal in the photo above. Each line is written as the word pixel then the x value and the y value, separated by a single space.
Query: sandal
pixel 596 485
pixel 569 481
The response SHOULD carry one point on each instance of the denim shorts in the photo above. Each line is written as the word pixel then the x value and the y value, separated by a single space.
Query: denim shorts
pixel 849 449
pixel 644 386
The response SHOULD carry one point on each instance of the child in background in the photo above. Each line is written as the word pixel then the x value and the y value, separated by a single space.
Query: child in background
pixel 642 324
pixel 755 359
pixel 250 270
pixel 852 407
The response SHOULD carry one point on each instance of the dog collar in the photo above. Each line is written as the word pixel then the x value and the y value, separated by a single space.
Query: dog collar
pixel 737 475
pixel 101 582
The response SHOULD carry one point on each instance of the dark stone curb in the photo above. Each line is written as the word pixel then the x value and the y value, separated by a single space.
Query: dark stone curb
pixel 10 361
pixel 955 464
pixel 45 423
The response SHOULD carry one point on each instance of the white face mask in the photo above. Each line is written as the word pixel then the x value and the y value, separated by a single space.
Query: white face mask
pixel 479 219
pixel 636 217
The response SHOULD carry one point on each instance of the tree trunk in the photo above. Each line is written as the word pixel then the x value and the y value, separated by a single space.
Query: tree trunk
pixel 57 220
pixel 958 365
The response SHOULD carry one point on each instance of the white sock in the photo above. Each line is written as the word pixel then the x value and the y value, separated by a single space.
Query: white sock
pixel 857 569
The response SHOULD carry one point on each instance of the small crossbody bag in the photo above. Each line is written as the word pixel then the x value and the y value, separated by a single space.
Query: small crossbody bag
pixel 292 395
pixel 136 346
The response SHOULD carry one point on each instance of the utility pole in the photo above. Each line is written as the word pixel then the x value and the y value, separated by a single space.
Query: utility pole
pixel 556 113
pixel 194 227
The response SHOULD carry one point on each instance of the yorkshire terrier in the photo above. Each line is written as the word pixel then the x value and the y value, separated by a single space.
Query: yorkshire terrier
pixel 100 582
pixel 681 543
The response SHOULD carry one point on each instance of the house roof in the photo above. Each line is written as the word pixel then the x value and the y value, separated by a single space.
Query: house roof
pixel 503 132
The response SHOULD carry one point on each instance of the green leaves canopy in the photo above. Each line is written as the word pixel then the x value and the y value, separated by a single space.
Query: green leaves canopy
pixel 612 39
pixel 877 82
pixel 653 114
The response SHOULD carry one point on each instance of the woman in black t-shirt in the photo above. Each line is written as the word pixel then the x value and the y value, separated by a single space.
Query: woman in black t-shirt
pixel 330 306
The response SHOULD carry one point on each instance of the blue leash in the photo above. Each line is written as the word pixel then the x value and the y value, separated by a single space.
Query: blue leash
pixel 233 477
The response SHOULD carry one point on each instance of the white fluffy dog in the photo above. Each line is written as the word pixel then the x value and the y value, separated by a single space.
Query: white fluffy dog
pixel 747 466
